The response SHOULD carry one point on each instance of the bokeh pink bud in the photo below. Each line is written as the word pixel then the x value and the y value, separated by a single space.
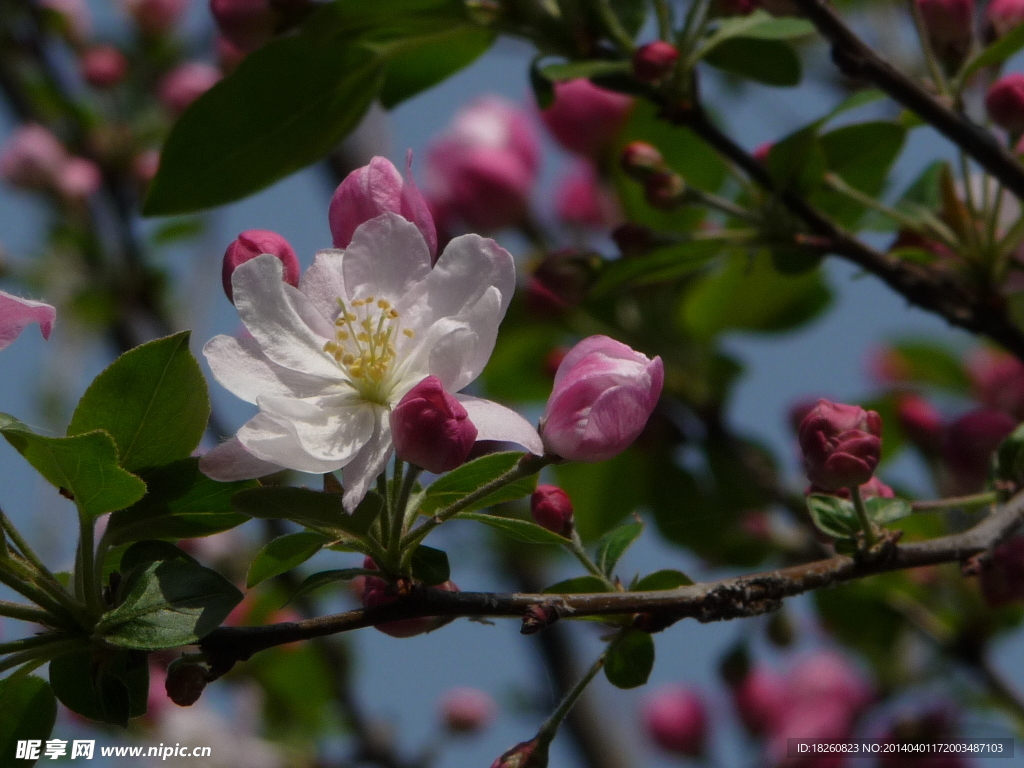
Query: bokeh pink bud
pixel 969 443
pixel 103 66
pixel 375 189
pixel 432 429
pixel 251 244
pixel 1002 582
pixel 676 719
pixel 920 422
pixel 467 710
pixel 551 508
pixel 145 165
pixel 581 201
pixel 653 61
pixel 1003 16
pixel 78 179
pixel 949 25
pixel 584 118
pixel 375 592
pixel 248 24
pixel 841 445
pixel 482 171
pixel 32 158
pixel 760 698
pixel 156 17
pixel 1004 102
pixel 827 676
pixel 640 160
pixel 183 85
pixel 997 380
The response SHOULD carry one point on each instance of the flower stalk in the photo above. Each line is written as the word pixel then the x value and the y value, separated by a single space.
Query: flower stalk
pixel 862 515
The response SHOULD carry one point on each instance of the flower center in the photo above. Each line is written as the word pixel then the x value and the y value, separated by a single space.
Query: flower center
pixel 364 334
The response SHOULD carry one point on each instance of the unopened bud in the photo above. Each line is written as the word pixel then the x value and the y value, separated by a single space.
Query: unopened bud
pixel 251 244
pixel 467 710
pixel 1005 102
pixel 103 66
pixel 527 754
pixel 551 508
pixel 676 719
pixel 641 160
pixel 538 617
pixel 1003 16
pixel 653 61
pixel 185 682
pixel 432 429
pixel 664 190
pixel 183 85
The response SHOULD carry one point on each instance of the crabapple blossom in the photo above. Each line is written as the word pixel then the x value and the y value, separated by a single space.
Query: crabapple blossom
pixel 603 394
pixel 328 361
pixel 584 118
pixel 653 61
pixel 551 508
pixel 16 314
pixel 640 160
pixel 467 710
pixel 252 243
pixel 841 445
pixel 677 720
pixel 431 428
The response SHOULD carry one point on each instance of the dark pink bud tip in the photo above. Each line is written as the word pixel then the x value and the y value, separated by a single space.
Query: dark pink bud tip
pixel 467 710
pixel 551 508
pixel 103 66
pixel 251 244
pixel 641 160
pixel 841 445
pixel 1005 102
pixel 677 720
pixel 653 61
pixel 431 429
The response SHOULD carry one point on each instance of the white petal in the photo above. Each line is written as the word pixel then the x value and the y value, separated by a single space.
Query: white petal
pixel 230 461
pixel 386 257
pixel 360 473
pixel 331 429
pixel 323 283
pixel 496 422
pixel 274 316
pixel 242 368
pixel 276 441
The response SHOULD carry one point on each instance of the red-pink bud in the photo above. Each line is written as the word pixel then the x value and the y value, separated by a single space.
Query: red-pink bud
pixel 970 442
pixel 585 118
pixel 676 718
pixel 641 160
pixel 78 179
pixel 1003 16
pixel 251 244
pixel 828 677
pixel 375 592
pixel 467 710
pixel 527 754
pixel 156 17
pixel 824 721
pixel 603 394
pixel 1002 582
pixel 950 28
pixel 145 165
pixel 841 444
pixel 653 61
pixel 103 66
pixel 185 682
pixel 664 190
pixel 581 201
pixel 762 151
pixel 183 85
pixel 246 23
pixel 375 189
pixel 551 508
pixel 32 158
pixel 921 423
pixel 798 412
pixel 431 429
pixel 1005 102
pixel 760 699
pixel 998 381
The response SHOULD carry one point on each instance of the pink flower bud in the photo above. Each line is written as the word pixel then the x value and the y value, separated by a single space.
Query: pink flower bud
pixel 16 314
pixel 375 592
pixel 603 394
pixel 677 720
pixel 1002 582
pixel 246 23
pixel 762 151
pixel 1005 102
pixel 798 412
pixel 145 165
pixel 663 190
pixel 828 677
pixel 467 710
pixel 641 160
pixel 527 754
pixel 551 508
pixel 998 381
pixel 78 179
pixel 841 444
pixel 431 429
pixel 921 423
pixel 825 721
pixel 760 699
pixel 32 158
pixel 970 442
pixel 1003 16
pixel 181 86
pixel 653 61
pixel 156 17
pixel 585 118
pixel 375 189
pixel 483 170
pixel 251 244
pixel 581 201
pixel 950 28
pixel 103 66
pixel 76 22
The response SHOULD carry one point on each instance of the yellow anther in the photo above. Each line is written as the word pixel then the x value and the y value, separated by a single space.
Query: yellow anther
pixel 393 314
pixel 351 317
pixel 342 335
pixel 364 337
pixel 409 332
pixel 348 358
pixel 368 300
pixel 384 304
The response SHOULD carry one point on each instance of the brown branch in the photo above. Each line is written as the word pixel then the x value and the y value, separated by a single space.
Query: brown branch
pixel 858 60
pixel 720 600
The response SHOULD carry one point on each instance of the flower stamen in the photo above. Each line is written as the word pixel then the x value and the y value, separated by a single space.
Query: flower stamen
pixel 362 344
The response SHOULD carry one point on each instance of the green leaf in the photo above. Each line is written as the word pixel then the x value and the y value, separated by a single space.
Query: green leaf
pixel 884 511
pixel 516 371
pixel 659 265
pixel 312 509
pixel 604 492
pixel 768 61
pixel 458 483
pixel 582 585
pixel 108 687
pixel 180 503
pixel 573 70
pixel 520 530
pixel 798 161
pixel 613 545
pixel 630 659
pixel 169 602
pixel 86 466
pixel 436 59
pixel 153 402
pixel 1010 457
pixel 931 363
pixel 29 713
pixel 324 578
pixel 430 566
pixel 750 294
pixel 998 52
pixel 834 516
pixel 542 87
pixel 659 580
pixel 282 554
